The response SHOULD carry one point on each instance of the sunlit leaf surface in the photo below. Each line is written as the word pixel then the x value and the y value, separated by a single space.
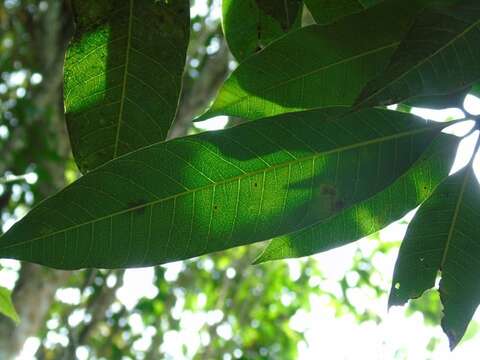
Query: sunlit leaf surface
pixel 203 193
pixel 123 73
pixel 316 66
pixel 373 214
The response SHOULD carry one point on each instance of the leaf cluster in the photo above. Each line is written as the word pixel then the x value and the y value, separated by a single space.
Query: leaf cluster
pixel 318 162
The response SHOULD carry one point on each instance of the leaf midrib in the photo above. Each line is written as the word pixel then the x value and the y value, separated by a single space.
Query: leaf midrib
pixel 237 178
pixel 125 76
pixel 421 62
pixel 454 218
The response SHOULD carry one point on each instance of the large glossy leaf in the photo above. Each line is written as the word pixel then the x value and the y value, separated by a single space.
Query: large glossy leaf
pixel 444 236
pixel 316 66
pixel 6 305
pixel 326 11
pixel 373 214
pixel 438 56
pixel 203 193
pixel 250 25
pixel 123 73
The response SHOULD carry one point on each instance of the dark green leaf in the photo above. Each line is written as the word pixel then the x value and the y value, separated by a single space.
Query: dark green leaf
pixel 6 305
pixel 123 73
pixel 316 66
pixel 438 56
pixel 475 90
pixel 444 236
pixel 373 214
pixel 327 11
pixel 194 195
pixel 250 25
pixel 454 100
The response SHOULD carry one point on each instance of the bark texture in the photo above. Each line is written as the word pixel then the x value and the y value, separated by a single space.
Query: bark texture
pixel 36 286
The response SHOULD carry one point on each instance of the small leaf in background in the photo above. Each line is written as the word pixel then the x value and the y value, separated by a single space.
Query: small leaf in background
pixel 373 214
pixel 444 236
pixel 123 72
pixel 6 305
pixel 250 25
pixel 316 66
pixel 438 56
pixel 475 90
pixel 208 192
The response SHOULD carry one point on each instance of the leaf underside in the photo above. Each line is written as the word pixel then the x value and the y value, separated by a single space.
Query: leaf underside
pixel 438 56
pixel 373 214
pixel 195 195
pixel 315 66
pixel 444 236
pixel 122 74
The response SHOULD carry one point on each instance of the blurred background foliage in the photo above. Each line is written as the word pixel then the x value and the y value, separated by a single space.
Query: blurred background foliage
pixel 214 307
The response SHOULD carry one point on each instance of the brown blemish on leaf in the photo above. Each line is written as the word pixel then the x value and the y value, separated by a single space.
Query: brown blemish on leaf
pixel 329 190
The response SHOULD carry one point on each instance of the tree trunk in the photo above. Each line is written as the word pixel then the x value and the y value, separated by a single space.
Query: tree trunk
pixel 36 286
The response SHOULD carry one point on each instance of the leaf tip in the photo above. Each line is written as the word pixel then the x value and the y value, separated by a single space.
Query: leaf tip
pixel 261 258
pixel 208 114
pixel 453 338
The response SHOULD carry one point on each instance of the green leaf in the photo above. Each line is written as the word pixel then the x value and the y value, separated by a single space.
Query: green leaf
pixel 123 72
pixel 443 236
pixel 475 90
pixel 438 56
pixel 250 25
pixel 6 305
pixel 454 100
pixel 195 195
pixel 373 214
pixel 314 67
pixel 327 11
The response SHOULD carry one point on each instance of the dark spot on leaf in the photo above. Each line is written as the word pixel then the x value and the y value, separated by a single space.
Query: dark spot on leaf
pixel 338 205
pixel 329 190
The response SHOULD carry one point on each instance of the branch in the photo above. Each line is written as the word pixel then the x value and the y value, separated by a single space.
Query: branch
pixel 202 92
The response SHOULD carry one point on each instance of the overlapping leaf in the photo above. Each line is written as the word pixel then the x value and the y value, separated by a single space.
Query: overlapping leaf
pixel 444 236
pixel 316 66
pixel 438 56
pixel 326 11
pixel 123 73
pixel 373 214
pixel 453 100
pixel 250 25
pixel 203 193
